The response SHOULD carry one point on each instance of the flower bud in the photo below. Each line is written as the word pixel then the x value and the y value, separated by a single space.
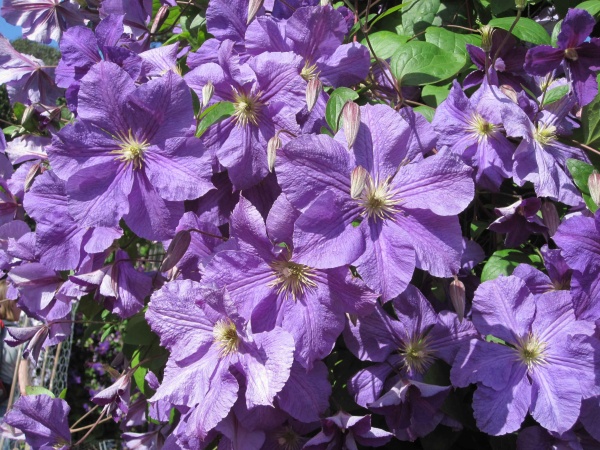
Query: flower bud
pixel 550 217
pixel 358 180
pixel 253 7
pixel 207 92
pixel 161 16
pixel 313 89
pixel 351 118
pixel 486 38
pixel 458 297
pixel 176 250
pixel 273 145
pixel 594 187
pixel 520 4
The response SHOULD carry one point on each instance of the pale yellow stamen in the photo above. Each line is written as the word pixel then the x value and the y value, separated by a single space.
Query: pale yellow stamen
pixel 545 134
pixel 226 337
pixel 531 351
pixel 247 108
pixel 292 279
pixel 309 71
pixel 479 127
pixel 131 149
pixel 417 354
pixel 379 200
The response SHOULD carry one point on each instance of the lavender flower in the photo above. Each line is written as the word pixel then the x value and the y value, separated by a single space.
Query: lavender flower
pixel 128 155
pixel 344 431
pixel 386 185
pixel 579 56
pixel 208 346
pixel 544 364
pixel 43 420
pixel 518 221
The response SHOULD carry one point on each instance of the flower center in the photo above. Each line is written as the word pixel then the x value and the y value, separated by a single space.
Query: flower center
pixel 417 354
pixel 292 278
pixel 309 71
pixel 544 133
pixel 377 198
pixel 226 337
pixel 247 108
pixel 480 127
pixel 531 351
pixel 288 439
pixel 131 149
pixel 571 54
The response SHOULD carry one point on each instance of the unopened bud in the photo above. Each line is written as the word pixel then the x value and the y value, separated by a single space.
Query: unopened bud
pixel 594 187
pixel 313 90
pixel 351 118
pixel 520 4
pixel 176 250
pixel 253 7
pixel 27 114
pixel 161 16
pixel 550 217
pixel 207 92
pixel 273 145
pixel 486 38
pixel 458 297
pixel 358 179
pixel 510 92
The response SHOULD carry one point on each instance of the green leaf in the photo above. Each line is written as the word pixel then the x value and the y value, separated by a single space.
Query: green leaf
pixel 426 112
pixel 499 6
pixel 417 63
pixel 108 331
pixel 555 94
pixel 581 171
pixel 590 122
pixel 388 12
pixel 526 29
pixel 137 331
pixel 503 262
pixel 385 43
pixel 63 394
pixel 337 100
pixel 38 390
pixel 418 15
pixel 434 95
pixel 591 6
pixel 213 114
pixel 451 42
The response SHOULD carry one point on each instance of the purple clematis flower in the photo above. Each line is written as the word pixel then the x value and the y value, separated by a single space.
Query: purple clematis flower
pixel 266 281
pixel 214 355
pixel 473 130
pixel 541 360
pixel 580 56
pixel 508 66
pixel 266 93
pixel 541 158
pixel 343 431
pixel 82 48
pixel 122 286
pixel 61 243
pixel 578 237
pixel 27 78
pixel 384 183
pixel 404 350
pixel 43 20
pixel 44 421
pixel 317 35
pixel 519 220
pixel 128 156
